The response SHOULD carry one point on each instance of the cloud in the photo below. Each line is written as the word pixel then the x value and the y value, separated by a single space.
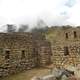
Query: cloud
pixel 74 14
pixel 53 12
pixel 70 3
pixel 17 11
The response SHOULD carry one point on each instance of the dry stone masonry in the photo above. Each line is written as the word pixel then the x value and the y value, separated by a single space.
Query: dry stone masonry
pixel 20 51
pixel 65 44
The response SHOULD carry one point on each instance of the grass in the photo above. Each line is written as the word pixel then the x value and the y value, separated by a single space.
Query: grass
pixel 27 75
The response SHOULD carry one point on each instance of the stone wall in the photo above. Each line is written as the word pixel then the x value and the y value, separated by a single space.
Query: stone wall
pixel 61 39
pixel 72 58
pixel 42 49
pixel 18 52
pixel 44 53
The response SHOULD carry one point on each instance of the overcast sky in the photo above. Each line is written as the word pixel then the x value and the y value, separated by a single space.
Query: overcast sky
pixel 53 12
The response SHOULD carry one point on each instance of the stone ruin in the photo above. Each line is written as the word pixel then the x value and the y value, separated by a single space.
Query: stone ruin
pixel 65 45
pixel 21 51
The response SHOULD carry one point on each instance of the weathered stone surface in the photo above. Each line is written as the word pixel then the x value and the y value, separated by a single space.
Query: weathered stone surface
pixel 21 51
pixel 59 40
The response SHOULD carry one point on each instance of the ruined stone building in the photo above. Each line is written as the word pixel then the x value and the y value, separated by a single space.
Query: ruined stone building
pixel 65 43
pixel 24 50
pixel 21 51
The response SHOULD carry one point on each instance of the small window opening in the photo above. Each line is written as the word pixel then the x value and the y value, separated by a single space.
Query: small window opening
pixel 75 34
pixel 78 49
pixel 34 52
pixel 23 54
pixel 66 35
pixel 66 51
pixel 7 55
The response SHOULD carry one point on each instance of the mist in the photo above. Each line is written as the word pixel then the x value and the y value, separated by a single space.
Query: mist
pixel 28 12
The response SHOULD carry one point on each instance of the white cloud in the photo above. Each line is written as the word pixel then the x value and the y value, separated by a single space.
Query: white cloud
pixel 14 10
pixel 53 12
pixel 74 13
